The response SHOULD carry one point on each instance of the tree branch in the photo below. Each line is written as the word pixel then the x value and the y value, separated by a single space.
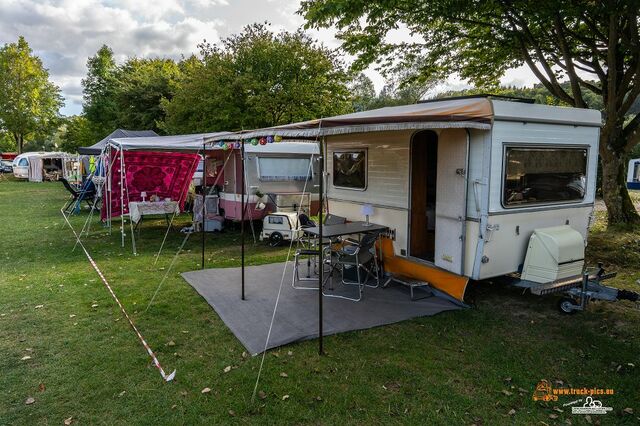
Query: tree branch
pixel 595 89
pixel 632 73
pixel 576 91
pixel 554 87
pixel 631 97
pixel 612 70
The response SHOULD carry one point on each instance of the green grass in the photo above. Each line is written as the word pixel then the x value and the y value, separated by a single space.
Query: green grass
pixel 86 363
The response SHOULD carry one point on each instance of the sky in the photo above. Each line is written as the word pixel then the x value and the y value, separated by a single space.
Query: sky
pixel 65 33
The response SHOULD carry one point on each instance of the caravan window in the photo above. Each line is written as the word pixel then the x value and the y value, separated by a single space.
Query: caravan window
pixel 544 175
pixel 284 169
pixel 350 169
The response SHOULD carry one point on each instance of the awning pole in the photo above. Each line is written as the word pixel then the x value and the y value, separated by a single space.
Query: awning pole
pixel 204 197
pixel 242 204
pixel 321 260
pixel 121 195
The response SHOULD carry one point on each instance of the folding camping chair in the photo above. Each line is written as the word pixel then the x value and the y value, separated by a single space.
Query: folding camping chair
pixel 86 194
pixel 310 248
pixel 359 255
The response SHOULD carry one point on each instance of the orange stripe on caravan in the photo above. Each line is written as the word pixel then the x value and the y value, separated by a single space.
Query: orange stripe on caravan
pixel 452 284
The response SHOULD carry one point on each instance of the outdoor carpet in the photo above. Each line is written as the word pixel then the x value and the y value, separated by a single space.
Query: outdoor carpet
pixel 297 314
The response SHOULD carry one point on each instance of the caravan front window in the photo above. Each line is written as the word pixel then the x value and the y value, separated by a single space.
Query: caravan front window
pixel 278 169
pixel 544 175
pixel 350 169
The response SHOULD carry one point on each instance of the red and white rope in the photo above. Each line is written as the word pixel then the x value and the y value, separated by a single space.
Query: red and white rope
pixel 166 377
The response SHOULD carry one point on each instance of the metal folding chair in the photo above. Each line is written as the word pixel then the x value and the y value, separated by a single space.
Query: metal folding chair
pixel 358 256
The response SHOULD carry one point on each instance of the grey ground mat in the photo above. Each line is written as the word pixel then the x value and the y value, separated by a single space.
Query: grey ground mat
pixel 297 315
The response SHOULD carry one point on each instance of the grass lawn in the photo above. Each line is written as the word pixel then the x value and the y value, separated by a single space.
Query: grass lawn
pixel 478 365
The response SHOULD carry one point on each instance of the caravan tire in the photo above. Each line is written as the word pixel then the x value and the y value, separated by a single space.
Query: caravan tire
pixel 275 239
pixel 565 305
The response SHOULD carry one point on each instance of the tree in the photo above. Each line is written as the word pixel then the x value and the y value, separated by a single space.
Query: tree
pixel 98 92
pixel 257 79
pixel 6 142
pixel 76 132
pixel 363 93
pixel 575 41
pixel 204 99
pixel 141 87
pixel 29 102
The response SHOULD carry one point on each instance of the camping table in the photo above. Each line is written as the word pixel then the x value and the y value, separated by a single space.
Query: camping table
pixel 340 230
pixel 138 209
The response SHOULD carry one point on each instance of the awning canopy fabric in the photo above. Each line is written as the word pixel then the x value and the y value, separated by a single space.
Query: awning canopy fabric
pixel 455 113
pixel 465 113
pixel 97 148
pixel 165 174
pixel 178 143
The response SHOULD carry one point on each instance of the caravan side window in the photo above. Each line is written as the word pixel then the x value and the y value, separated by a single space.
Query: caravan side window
pixel 280 169
pixel 543 175
pixel 350 169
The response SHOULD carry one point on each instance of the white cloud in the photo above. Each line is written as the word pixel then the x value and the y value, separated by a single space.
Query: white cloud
pixel 64 33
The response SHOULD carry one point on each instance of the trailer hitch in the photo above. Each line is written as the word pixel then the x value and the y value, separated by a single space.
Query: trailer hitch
pixel 591 288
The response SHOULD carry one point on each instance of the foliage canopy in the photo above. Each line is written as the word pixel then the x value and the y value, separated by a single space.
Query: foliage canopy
pixel 29 102
pixel 255 79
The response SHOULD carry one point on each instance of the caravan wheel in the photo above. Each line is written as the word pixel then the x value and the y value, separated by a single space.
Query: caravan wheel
pixel 275 239
pixel 566 306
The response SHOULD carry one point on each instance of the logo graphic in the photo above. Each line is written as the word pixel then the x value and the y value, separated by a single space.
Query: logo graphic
pixel 543 392
pixel 591 406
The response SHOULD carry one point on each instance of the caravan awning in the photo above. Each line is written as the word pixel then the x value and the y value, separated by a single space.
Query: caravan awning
pixel 178 143
pixel 455 113
pixel 97 148
pixel 464 113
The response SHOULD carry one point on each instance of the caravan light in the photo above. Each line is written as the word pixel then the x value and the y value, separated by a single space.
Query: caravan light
pixel 367 210
pixel 269 139
pixel 263 141
pixel 278 138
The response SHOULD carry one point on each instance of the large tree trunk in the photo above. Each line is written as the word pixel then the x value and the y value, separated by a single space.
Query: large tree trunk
pixel 19 139
pixel 620 208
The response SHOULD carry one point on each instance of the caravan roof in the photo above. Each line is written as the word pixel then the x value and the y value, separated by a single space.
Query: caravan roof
pixel 475 113
pixel 43 154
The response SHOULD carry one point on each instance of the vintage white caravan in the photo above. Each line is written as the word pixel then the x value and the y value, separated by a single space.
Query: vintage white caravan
pixel 633 174
pixel 461 183
pixel 278 177
pixel 38 166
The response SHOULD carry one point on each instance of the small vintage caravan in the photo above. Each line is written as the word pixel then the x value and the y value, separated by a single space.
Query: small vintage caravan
pixel 39 166
pixel 633 174
pixel 461 183
pixel 278 177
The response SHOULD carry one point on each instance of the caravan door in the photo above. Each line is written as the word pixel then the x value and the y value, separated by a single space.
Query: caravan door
pixel 451 200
